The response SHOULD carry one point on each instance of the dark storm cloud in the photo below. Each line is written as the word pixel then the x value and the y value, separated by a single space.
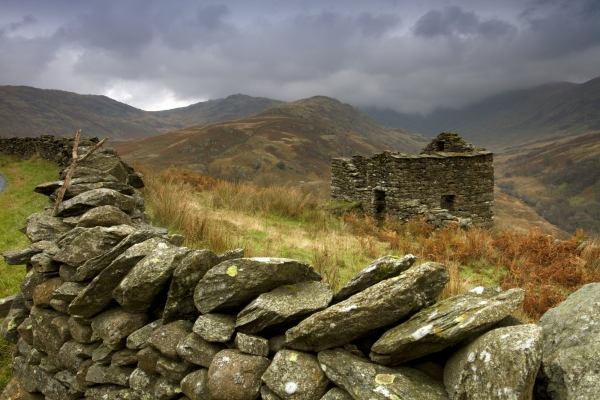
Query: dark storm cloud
pixel 455 21
pixel 411 56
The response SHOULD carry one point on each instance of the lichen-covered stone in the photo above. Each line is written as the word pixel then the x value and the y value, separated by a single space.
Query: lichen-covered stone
pixel 268 394
pixel 103 216
pixel 180 299
pixel 367 380
pixel 571 351
pixel 197 350
pixel 251 344
pixel 195 385
pixel 147 359
pixel 231 255
pixel 48 336
pixel 116 324
pixel 31 281
pixel 375 307
pixel 94 198
pixel 166 389
pixel 142 381
pixel 445 324
pixel 81 244
pixel 92 267
pixel 80 332
pixel 98 294
pixel 166 338
pixel 236 376
pixel 25 330
pixel 43 262
pixel 234 283
pixel 15 390
pixel 283 305
pixel 337 394
pixel 172 369
pixel 146 279
pixel 73 354
pixel 378 270
pixel 99 373
pixel 20 256
pixel 296 375
pixel 500 364
pixel 138 339
pixel 43 226
pixel 16 315
pixel 68 291
pixel 124 357
pixel 215 327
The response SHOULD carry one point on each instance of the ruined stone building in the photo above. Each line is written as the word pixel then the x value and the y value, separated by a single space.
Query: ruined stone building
pixel 449 174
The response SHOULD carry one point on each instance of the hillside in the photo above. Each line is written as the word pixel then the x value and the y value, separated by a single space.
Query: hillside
pixel 551 111
pixel 560 179
pixel 290 143
pixel 27 111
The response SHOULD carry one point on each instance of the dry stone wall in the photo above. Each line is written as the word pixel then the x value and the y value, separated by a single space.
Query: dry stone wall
pixel 51 148
pixel 114 308
pixel 450 180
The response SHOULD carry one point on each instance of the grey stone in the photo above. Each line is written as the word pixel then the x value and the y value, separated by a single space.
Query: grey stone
pixel 268 394
pixel 43 226
pixel 234 283
pixel 381 269
pixel 81 244
pixel 69 379
pixel 236 376
pixel 377 306
pixel 99 373
pixel 139 339
pixel 276 343
pixel 102 392
pixel 81 333
pixel 500 364
pixel 44 263
pixel 296 375
pixel 92 267
pixel 215 327
pixel 571 351
pixel 49 188
pixel 31 281
pixel 445 324
pixel 94 198
pixel 166 389
pixel 25 330
pixel 104 160
pixel 79 188
pixel 60 305
pixel 142 381
pixel 116 324
pixel 175 370
pixel 251 344
pixel 16 315
pixel 73 354
pixel 180 299
pixel 102 354
pixel 195 385
pixel 15 390
pixel 197 350
pixel 50 387
pixel 98 294
pixel 67 272
pixel 148 357
pixel 48 336
pixel 147 278
pixel 283 305
pixel 231 255
pixel 103 216
pixel 337 394
pixel 20 256
pixel 166 338
pixel 367 380
pixel 68 291
pixel 124 357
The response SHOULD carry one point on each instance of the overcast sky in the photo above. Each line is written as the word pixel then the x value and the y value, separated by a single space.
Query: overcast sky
pixel 411 56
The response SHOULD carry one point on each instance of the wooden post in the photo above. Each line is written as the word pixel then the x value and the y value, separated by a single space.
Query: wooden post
pixel 76 160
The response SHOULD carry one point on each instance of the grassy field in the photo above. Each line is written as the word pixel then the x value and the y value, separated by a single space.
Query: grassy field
pixel 16 204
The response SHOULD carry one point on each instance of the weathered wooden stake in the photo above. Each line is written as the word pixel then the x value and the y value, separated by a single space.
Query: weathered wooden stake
pixel 76 160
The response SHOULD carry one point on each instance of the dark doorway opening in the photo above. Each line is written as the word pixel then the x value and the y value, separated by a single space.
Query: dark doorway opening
pixel 379 202
pixel 439 145
pixel 447 202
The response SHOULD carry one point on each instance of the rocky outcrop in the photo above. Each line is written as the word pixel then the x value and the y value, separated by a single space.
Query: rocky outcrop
pixel 114 308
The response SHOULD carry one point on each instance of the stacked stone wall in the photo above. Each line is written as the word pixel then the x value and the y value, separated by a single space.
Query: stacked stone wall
pixel 54 149
pixel 114 308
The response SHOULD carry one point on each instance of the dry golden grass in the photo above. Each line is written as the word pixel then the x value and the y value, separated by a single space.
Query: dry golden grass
pixel 286 222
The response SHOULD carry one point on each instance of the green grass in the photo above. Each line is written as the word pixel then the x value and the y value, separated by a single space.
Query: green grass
pixel 16 203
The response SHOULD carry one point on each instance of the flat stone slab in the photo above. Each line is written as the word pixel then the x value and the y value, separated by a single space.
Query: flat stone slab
pixel 215 327
pixel 571 351
pixel 367 380
pixel 98 294
pixel 377 306
pixel 81 244
pixel 43 226
pixel 95 198
pixel 381 269
pixel 500 364
pixel 283 305
pixel 234 283
pixel 445 323
pixel 103 216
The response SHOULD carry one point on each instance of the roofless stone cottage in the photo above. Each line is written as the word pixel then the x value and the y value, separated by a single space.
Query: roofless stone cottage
pixel 449 174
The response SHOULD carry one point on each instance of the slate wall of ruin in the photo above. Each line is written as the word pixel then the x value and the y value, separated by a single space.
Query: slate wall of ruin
pixel 405 186
pixel 114 308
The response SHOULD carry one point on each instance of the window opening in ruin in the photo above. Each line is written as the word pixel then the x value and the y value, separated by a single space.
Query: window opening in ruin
pixel 439 145
pixel 447 202
pixel 379 201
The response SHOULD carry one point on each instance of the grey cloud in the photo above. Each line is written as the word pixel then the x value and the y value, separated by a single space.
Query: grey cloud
pixel 376 25
pixel 27 20
pixel 454 21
